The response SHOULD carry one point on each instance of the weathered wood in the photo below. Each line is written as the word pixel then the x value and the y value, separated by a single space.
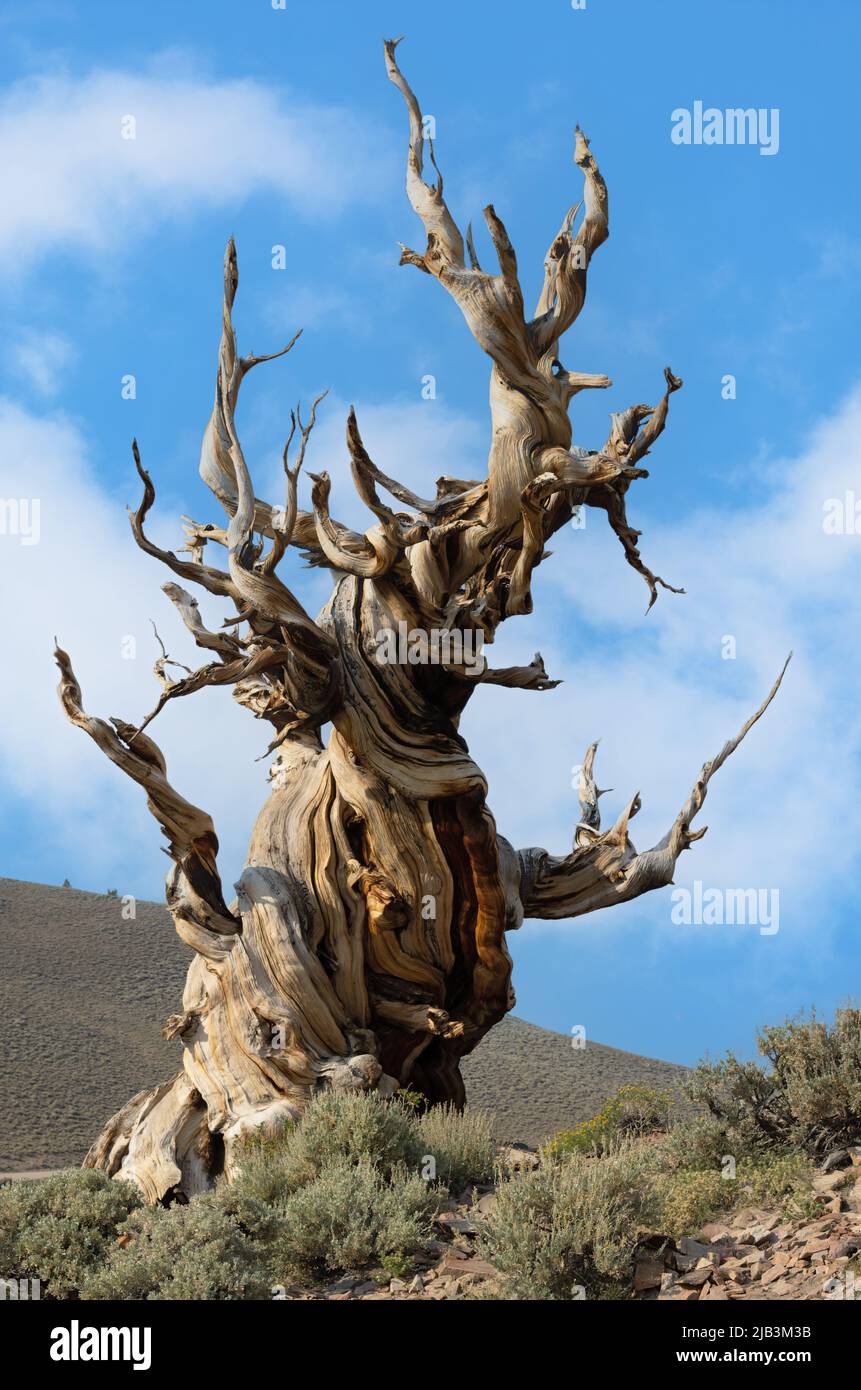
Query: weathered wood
pixel 366 946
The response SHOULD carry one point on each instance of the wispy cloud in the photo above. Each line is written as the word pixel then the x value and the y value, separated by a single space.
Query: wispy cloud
pixel 40 358
pixel 89 161
pixel 86 583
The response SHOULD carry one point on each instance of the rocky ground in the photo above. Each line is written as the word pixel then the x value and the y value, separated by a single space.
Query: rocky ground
pixel 756 1255
pixel 751 1255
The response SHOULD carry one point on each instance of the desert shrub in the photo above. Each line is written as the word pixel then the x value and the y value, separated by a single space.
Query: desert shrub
pixel 336 1128
pixel 690 1197
pixel 703 1143
pixel 461 1142
pixel 634 1110
pixel 809 1097
pixel 364 1127
pixel 59 1229
pixel 571 1223
pixel 413 1100
pixel 348 1217
pixel 215 1247
pixel 784 1182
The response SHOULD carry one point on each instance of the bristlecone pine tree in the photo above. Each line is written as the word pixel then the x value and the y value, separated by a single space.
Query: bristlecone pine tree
pixel 366 944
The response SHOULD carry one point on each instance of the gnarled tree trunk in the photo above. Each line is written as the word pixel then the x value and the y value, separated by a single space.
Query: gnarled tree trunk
pixel 366 945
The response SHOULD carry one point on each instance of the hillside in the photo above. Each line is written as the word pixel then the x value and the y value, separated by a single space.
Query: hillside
pixel 84 993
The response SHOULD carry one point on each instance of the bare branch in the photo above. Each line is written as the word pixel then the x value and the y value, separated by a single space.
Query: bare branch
pixel 629 443
pixel 564 291
pixel 445 243
pixel 224 643
pixel 164 661
pixel 379 553
pixel 604 868
pixel 218 449
pixel 531 677
pixel 216 581
pixel 470 248
pixel 564 472
pixel 627 439
pixel 194 890
pixel 285 523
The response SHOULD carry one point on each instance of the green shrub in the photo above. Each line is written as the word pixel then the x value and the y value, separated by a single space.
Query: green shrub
pixel 350 1216
pixel 569 1224
pixel 462 1143
pixel 59 1229
pixel 690 1197
pixel 212 1248
pixel 355 1128
pixel 413 1100
pixel 784 1182
pixel 634 1110
pixel 810 1096
pixel 703 1143
pixel 336 1127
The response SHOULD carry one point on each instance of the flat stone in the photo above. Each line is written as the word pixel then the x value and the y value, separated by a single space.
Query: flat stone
pixel 813 1247
pixel 714 1233
pixel 830 1182
pixel 341 1286
pixel 840 1158
pixel 461 1225
pixel 452 1265
pixel 648 1274
pixel 689 1246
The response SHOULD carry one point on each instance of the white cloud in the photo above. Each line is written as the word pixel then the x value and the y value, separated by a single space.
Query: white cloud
pixel 40 358
pixel 71 179
pixel 86 582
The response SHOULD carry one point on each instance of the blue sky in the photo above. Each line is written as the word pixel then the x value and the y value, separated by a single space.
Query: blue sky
pixel 279 127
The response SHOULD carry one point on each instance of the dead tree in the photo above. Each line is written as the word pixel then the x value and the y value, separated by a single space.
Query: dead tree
pixel 366 946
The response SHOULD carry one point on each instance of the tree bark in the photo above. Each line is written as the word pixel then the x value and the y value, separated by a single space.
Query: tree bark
pixel 366 946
